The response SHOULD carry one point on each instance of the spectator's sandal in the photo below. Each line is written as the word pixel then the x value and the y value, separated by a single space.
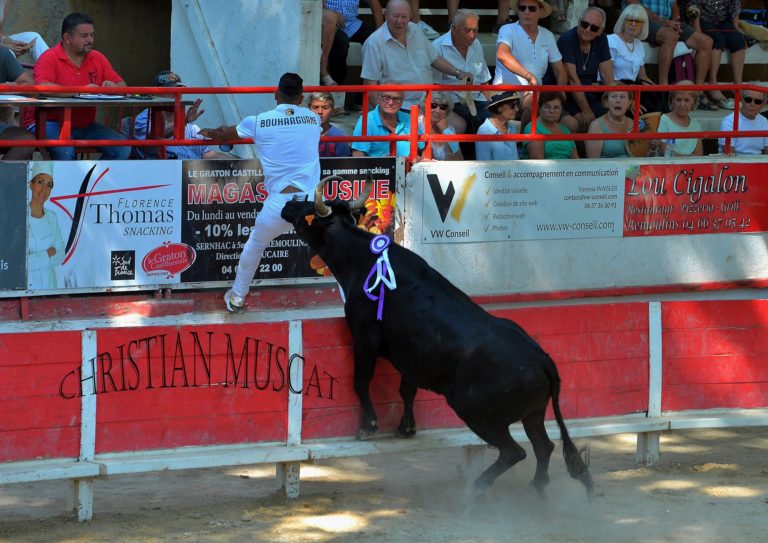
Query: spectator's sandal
pixel 707 105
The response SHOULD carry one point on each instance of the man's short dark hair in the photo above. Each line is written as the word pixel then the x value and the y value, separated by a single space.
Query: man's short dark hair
pixel 290 85
pixel 73 20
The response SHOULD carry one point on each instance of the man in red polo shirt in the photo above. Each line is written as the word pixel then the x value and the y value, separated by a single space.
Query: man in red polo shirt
pixel 74 62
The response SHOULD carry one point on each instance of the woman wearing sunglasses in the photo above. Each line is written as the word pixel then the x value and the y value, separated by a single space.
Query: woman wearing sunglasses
pixel 440 108
pixel 504 109
pixel 628 54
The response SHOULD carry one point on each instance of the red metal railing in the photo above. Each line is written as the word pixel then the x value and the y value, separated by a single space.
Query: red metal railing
pixel 414 138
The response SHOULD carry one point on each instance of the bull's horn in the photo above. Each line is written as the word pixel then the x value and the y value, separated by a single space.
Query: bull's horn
pixel 363 196
pixel 321 209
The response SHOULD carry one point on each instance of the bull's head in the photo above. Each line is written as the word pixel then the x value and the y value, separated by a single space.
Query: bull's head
pixel 306 216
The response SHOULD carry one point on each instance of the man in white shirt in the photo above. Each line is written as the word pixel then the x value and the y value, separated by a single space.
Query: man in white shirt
pixel 461 48
pixel 524 50
pixel 749 119
pixel 399 53
pixel 287 140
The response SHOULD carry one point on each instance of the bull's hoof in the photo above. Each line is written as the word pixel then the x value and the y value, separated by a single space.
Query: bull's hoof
pixel 363 434
pixel 405 433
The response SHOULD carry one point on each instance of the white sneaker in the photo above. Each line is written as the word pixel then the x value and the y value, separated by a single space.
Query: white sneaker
pixel 234 302
pixel 429 32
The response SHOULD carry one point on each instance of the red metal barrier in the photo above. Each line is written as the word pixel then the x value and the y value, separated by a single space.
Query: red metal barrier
pixel 413 137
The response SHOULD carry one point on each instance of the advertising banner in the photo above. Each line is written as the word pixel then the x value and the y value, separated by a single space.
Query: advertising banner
pixel 486 201
pixel 106 224
pixel 221 200
pixel 669 199
pixel 13 225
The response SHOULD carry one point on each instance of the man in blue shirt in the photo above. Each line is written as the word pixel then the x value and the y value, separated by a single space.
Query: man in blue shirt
pixel 384 120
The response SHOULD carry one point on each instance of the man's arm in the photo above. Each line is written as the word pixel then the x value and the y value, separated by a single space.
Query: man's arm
pixel 378 13
pixel 443 66
pixel 559 70
pixel 606 72
pixel 507 59
pixel 222 133
pixel 572 78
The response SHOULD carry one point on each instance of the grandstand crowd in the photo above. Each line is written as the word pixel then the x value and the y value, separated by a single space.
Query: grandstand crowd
pixel 534 47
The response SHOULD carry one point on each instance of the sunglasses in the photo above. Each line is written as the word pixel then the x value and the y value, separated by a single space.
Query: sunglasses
pixel 757 101
pixel 633 21
pixel 585 25
pixel 391 99
pixel 532 9
pixel 441 106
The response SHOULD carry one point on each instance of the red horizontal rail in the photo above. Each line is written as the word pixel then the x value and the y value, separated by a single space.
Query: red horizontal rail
pixel 414 137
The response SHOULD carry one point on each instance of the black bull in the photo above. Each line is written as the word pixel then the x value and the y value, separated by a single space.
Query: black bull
pixel 491 372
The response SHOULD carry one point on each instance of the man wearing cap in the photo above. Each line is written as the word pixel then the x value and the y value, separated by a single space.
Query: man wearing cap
pixel 749 119
pixel 287 140
pixel 11 73
pixel 167 78
pixel 74 62
pixel 398 52
pixel 524 50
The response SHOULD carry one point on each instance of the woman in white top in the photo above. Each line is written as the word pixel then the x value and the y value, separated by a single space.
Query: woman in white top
pixel 681 103
pixel 626 45
pixel 504 108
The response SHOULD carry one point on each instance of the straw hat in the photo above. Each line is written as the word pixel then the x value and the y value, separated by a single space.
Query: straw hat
pixel 501 98
pixel 546 8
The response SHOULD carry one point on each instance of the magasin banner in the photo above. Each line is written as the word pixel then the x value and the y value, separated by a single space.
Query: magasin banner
pixel 711 198
pixel 146 223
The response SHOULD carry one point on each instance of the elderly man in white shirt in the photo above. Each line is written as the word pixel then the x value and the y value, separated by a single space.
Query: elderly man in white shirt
pixel 461 48
pixel 749 119
pixel 399 53
pixel 524 50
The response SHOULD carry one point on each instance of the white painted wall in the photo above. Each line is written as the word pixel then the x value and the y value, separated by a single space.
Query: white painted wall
pixel 242 43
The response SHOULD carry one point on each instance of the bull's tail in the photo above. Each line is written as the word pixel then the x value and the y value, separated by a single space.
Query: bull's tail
pixel 576 460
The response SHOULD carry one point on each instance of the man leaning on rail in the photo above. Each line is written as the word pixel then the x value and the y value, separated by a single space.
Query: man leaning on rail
pixel 73 62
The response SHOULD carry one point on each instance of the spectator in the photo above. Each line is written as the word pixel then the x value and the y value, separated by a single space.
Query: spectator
pixel 719 19
pixel 322 103
pixel 11 73
pixel 627 51
pixel 628 54
pixel 384 120
pixel 287 139
pixel 398 52
pixel 524 50
pixel 665 30
pixel 440 108
pixel 461 48
pixel 681 103
pixel 167 78
pixel 587 59
pixel 551 106
pixel 429 32
pixel 749 119
pixel 21 43
pixel 74 62
pixel 504 108
pixel 340 26
pixel 502 16
pixel 613 121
